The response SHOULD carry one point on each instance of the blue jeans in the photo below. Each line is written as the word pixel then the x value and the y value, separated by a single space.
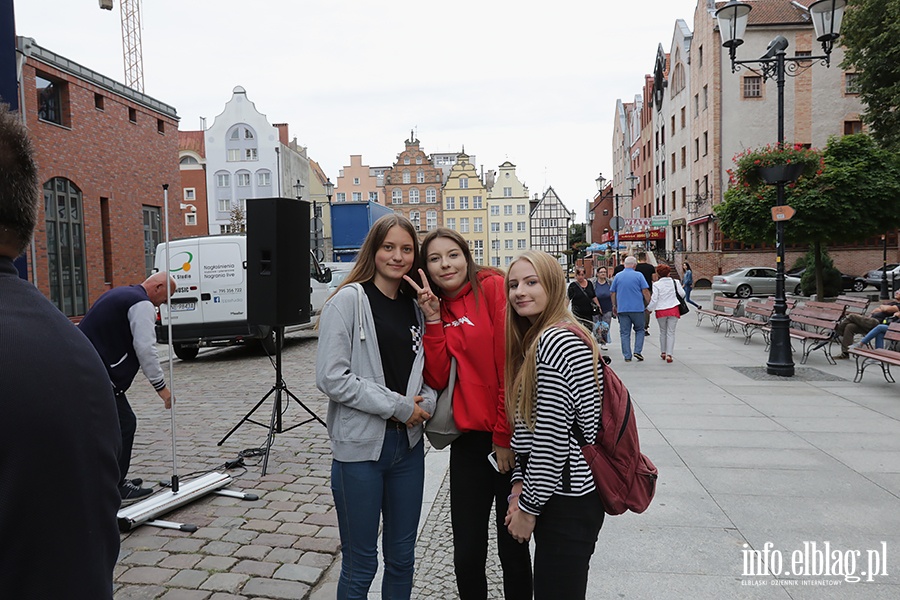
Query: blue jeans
pixel 363 492
pixel 878 334
pixel 687 295
pixel 627 322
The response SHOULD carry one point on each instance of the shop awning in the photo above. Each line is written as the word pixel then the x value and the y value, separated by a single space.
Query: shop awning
pixel 700 220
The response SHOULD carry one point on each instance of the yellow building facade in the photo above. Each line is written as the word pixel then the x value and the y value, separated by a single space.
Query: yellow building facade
pixel 508 221
pixel 465 207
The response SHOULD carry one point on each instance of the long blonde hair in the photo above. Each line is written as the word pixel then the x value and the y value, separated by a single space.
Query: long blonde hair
pixel 522 336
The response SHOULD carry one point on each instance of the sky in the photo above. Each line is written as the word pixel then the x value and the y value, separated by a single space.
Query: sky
pixel 531 82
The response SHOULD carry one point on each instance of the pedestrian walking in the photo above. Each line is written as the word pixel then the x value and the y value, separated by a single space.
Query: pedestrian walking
pixel 687 282
pixel 370 363
pixel 664 300
pixel 584 301
pixel 553 381
pixel 604 298
pixel 465 315
pixel 630 294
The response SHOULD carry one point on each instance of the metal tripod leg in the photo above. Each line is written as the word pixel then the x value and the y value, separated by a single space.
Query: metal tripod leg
pixel 248 415
pixel 275 425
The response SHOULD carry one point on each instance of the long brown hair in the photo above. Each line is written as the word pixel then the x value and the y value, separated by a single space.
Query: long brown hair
pixel 522 336
pixel 472 269
pixel 364 269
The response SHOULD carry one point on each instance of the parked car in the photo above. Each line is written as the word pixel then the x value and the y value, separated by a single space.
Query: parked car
pixel 873 277
pixel 848 282
pixel 339 272
pixel 752 281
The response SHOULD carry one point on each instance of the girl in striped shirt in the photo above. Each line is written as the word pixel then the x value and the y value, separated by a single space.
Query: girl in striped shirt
pixel 552 382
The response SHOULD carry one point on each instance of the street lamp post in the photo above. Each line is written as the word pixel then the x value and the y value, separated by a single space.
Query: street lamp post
pixel 884 295
pixel 826 16
pixel 329 192
pixel 601 184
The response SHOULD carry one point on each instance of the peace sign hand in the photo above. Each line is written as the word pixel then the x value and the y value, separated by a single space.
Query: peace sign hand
pixel 428 302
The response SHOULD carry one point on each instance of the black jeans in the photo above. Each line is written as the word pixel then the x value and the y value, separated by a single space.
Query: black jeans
pixel 128 425
pixel 564 538
pixel 474 486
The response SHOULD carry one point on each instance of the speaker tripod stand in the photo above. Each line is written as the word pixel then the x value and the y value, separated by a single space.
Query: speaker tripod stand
pixel 281 393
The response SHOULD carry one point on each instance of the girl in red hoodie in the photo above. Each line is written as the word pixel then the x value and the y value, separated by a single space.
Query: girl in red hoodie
pixel 465 311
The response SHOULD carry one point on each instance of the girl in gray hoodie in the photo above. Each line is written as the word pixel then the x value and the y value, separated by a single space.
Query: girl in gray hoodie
pixel 369 363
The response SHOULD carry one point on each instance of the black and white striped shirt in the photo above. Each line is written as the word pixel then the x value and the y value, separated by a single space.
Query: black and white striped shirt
pixel 566 391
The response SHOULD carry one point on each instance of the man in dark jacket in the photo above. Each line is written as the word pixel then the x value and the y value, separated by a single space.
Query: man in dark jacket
pixel 649 273
pixel 120 324
pixel 59 435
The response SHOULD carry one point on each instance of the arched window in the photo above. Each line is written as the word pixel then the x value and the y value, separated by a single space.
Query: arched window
pixel 397 197
pixel 188 160
pixel 405 176
pixel 65 246
pixel 430 196
pixel 241 144
pixel 413 196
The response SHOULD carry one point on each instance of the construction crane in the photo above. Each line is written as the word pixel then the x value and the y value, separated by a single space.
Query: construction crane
pixel 131 41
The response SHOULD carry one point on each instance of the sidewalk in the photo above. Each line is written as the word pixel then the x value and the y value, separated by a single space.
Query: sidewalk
pixel 744 459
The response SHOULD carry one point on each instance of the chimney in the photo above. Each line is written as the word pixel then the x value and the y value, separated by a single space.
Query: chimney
pixel 282 133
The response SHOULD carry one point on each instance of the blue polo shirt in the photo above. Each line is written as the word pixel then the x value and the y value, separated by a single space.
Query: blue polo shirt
pixel 628 287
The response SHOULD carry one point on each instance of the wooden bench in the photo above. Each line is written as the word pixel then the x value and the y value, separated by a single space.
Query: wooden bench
pixel 814 328
pixel 854 304
pixel 721 307
pixel 756 315
pixel 882 356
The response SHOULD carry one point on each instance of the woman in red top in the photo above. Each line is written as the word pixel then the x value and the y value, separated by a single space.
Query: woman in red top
pixel 465 311
pixel 664 301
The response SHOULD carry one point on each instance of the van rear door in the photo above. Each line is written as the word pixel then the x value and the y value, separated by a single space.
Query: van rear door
pixel 222 280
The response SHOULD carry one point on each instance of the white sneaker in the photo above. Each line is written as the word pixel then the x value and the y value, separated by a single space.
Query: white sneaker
pixel 603 347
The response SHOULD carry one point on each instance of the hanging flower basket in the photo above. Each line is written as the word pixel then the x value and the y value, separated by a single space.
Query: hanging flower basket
pixel 780 173
pixel 773 164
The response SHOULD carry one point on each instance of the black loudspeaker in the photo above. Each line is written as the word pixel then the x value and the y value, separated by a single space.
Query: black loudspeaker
pixel 278 261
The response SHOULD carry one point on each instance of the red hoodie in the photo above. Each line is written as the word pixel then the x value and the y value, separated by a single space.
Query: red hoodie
pixel 473 332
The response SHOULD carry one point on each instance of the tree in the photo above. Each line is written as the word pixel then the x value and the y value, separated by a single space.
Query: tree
pixel 238 220
pixel 855 195
pixel 869 35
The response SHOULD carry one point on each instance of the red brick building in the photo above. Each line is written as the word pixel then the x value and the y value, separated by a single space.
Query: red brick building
pixel 192 162
pixel 104 152
pixel 413 187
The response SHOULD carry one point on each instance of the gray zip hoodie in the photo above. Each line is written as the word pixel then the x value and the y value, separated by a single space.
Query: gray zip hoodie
pixel 350 373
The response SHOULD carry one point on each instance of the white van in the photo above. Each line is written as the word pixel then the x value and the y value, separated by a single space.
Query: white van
pixel 209 306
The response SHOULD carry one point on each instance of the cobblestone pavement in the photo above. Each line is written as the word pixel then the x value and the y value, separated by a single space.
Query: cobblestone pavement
pixel 277 547
pixel 434 554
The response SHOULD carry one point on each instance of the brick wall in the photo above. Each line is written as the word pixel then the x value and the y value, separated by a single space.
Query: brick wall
pixel 852 262
pixel 106 156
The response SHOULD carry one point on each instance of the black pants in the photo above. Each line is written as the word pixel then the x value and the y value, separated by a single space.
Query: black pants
pixel 564 538
pixel 128 425
pixel 474 486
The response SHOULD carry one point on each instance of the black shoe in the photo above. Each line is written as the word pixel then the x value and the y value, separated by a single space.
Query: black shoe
pixel 130 492
pixel 136 481
pixel 638 356
pixel 843 355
